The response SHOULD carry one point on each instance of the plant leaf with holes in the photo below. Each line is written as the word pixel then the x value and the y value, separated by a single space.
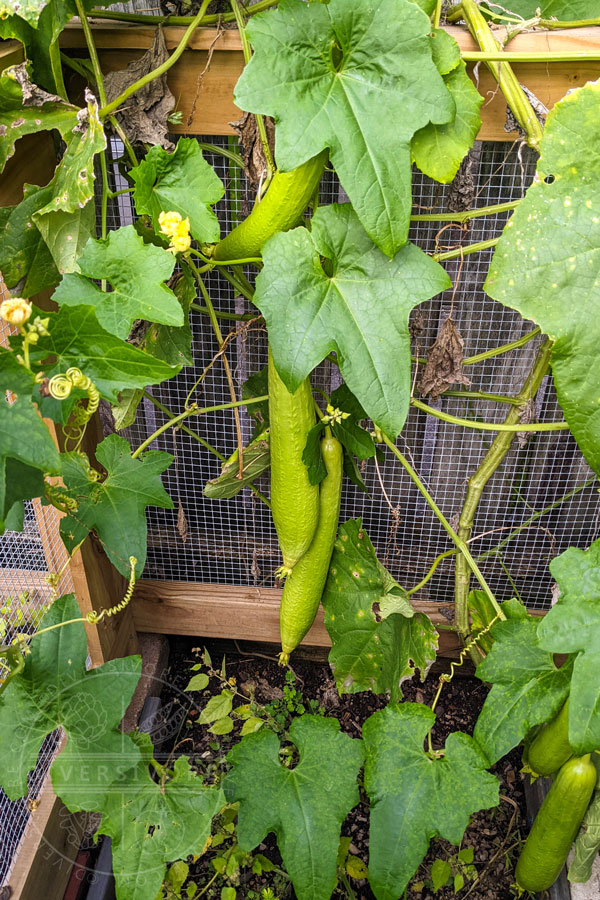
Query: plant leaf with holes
pixel 115 508
pixel 527 687
pixel 136 271
pixel 27 109
pixel 26 263
pixel 345 305
pixel 305 806
pixel 168 181
pixel 55 690
pixel 153 822
pixel 76 339
pixel 359 79
pixel 23 435
pixel 438 150
pixel 415 798
pixel 573 626
pixel 378 640
pixel 547 262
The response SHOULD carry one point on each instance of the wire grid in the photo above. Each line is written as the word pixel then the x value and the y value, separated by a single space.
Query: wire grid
pixel 23 562
pixel 234 542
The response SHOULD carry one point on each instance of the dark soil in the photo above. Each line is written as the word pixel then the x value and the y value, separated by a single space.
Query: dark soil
pixel 494 834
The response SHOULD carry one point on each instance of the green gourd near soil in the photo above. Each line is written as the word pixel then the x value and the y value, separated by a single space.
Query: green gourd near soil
pixel 294 500
pixel 556 825
pixel 550 749
pixel 304 586
pixel 279 210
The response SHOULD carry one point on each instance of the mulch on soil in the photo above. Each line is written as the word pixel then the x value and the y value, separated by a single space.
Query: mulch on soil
pixel 494 834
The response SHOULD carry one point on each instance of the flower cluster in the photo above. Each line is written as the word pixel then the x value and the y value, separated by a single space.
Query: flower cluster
pixel 177 229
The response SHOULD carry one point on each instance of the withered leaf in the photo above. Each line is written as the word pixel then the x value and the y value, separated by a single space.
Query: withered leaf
pixel 527 417
pixel 255 165
pixel 444 362
pixel 144 116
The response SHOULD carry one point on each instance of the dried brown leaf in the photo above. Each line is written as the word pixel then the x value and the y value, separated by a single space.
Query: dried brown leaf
pixel 527 417
pixel 182 524
pixel 444 362
pixel 255 164
pixel 144 115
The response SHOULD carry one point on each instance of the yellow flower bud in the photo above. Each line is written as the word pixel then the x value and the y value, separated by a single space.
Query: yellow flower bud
pixel 15 310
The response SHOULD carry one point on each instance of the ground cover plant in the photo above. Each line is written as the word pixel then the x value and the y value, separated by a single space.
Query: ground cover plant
pixel 368 89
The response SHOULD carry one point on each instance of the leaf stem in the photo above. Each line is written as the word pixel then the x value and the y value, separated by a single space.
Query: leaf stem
pixel 477 482
pixel 504 348
pixel 516 57
pixel 54 56
pixel 193 411
pixel 211 19
pixel 233 317
pixel 222 151
pixel 434 565
pixel 464 251
pixel 465 553
pixel 489 426
pixel 480 395
pixel 467 214
pixel 89 40
pixel 160 70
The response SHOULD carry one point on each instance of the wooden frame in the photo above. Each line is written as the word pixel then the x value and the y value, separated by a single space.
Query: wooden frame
pixel 184 608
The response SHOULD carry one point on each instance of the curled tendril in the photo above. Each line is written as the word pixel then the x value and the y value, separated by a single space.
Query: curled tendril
pixel 94 617
pixel 60 387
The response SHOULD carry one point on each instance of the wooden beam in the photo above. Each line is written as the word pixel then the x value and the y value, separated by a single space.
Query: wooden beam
pixel 205 96
pixel 243 613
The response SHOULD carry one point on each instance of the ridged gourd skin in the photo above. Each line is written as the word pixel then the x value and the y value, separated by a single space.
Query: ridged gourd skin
pixel 556 825
pixel 550 749
pixel 280 209
pixel 294 500
pixel 304 586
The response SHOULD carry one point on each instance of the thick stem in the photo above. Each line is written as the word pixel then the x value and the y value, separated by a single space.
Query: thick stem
pixel 456 539
pixel 160 70
pixel 504 428
pixel 494 456
pixel 504 348
pixel 467 214
pixel 506 78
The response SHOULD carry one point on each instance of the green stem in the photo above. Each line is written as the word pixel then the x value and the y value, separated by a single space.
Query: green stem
pixel 455 13
pixel 437 14
pixel 104 201
pixel 160 70
pixel 506 78
pixel 194 411
pixel 212 19
pixel 494 456
pixel 126 142
pixel 260 122
pixel 480 395
pixel 239 287
pixel 223 151
pixel 233 317
pixel 456 539
pixel 54 55
pixel 171 415
pixel 467 215
pixel 434 566
pixel 504 348
pixel 464 251
pixel 516 57
pixel 488 426
pixel 91 46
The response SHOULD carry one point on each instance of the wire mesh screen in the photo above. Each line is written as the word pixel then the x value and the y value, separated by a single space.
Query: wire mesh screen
pixel 541 500
pixel 25 558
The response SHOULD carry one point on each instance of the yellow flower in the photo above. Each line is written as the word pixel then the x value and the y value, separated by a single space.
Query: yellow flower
pixel 177 228
pixel 15 310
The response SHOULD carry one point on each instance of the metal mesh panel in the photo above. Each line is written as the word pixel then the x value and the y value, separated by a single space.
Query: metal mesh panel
pixel 234 542
pixel 24 559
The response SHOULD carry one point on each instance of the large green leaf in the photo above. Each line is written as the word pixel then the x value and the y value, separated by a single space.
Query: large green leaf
pixel 438 150
pixel 23 435
pixel 528 688
pixel 25 261
pixel 115 507
pixel 415 797
pixel 181 181
pixel 153 822
pixel 378 641
pixel 68 218
pixel 76 339
pixel 356 303
pixel 137 272
pixel 572 625
pixel 27 109
pixel 357 78
pixel 547 263
pixel 304 806
pixel 55 690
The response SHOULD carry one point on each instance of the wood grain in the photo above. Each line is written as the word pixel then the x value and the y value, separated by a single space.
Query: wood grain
pixel 243 613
